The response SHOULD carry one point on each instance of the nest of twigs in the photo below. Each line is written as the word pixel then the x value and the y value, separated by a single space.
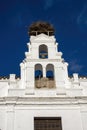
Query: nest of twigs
pixel 41 27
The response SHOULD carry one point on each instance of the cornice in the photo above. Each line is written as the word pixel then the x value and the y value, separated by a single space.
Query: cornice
pixel 44 60
pixel 43 101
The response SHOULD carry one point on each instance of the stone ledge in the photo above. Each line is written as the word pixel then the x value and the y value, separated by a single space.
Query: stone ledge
pixel 43 101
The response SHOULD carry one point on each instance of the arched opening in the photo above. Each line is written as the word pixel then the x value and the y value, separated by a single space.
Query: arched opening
pixel 38 71
pixel 43 51
pixel 50 71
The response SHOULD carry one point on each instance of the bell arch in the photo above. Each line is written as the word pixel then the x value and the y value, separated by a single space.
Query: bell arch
pixel 43 51
pixel 50 71
pixel 38 71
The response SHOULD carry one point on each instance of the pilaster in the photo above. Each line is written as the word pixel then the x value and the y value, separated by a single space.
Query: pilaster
pixel 10 117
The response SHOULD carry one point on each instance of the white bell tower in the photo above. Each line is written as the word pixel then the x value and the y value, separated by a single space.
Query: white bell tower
pixel 43 67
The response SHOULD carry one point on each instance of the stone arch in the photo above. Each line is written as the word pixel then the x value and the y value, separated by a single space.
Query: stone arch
pixel 50 71
pixel 43 51
pixel 38 71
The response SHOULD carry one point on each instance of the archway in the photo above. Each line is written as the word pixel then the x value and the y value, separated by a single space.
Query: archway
pixel 38 71
pixel 50 71
pixel 43 51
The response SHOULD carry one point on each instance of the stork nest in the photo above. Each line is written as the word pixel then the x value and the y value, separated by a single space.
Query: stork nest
pixel 41 27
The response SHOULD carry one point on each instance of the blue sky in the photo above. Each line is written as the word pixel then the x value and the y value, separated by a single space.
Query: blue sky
pixel 69 18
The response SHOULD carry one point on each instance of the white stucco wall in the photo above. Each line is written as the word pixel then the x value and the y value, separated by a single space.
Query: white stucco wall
pixel 19 113
pixel 20 101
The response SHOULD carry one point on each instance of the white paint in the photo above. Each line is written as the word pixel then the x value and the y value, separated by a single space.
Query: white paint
pixel 20 101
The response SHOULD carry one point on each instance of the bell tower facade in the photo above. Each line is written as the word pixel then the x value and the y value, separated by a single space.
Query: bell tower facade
pixel 43 66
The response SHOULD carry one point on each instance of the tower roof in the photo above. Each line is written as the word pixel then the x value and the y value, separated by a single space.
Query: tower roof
pixel 39 27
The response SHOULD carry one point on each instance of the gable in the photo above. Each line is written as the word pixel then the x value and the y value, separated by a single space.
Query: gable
pixel 42 37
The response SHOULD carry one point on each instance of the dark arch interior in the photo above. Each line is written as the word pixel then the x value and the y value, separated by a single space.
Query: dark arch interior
pixel 38 71
pixel 50 71
pixel 43 51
